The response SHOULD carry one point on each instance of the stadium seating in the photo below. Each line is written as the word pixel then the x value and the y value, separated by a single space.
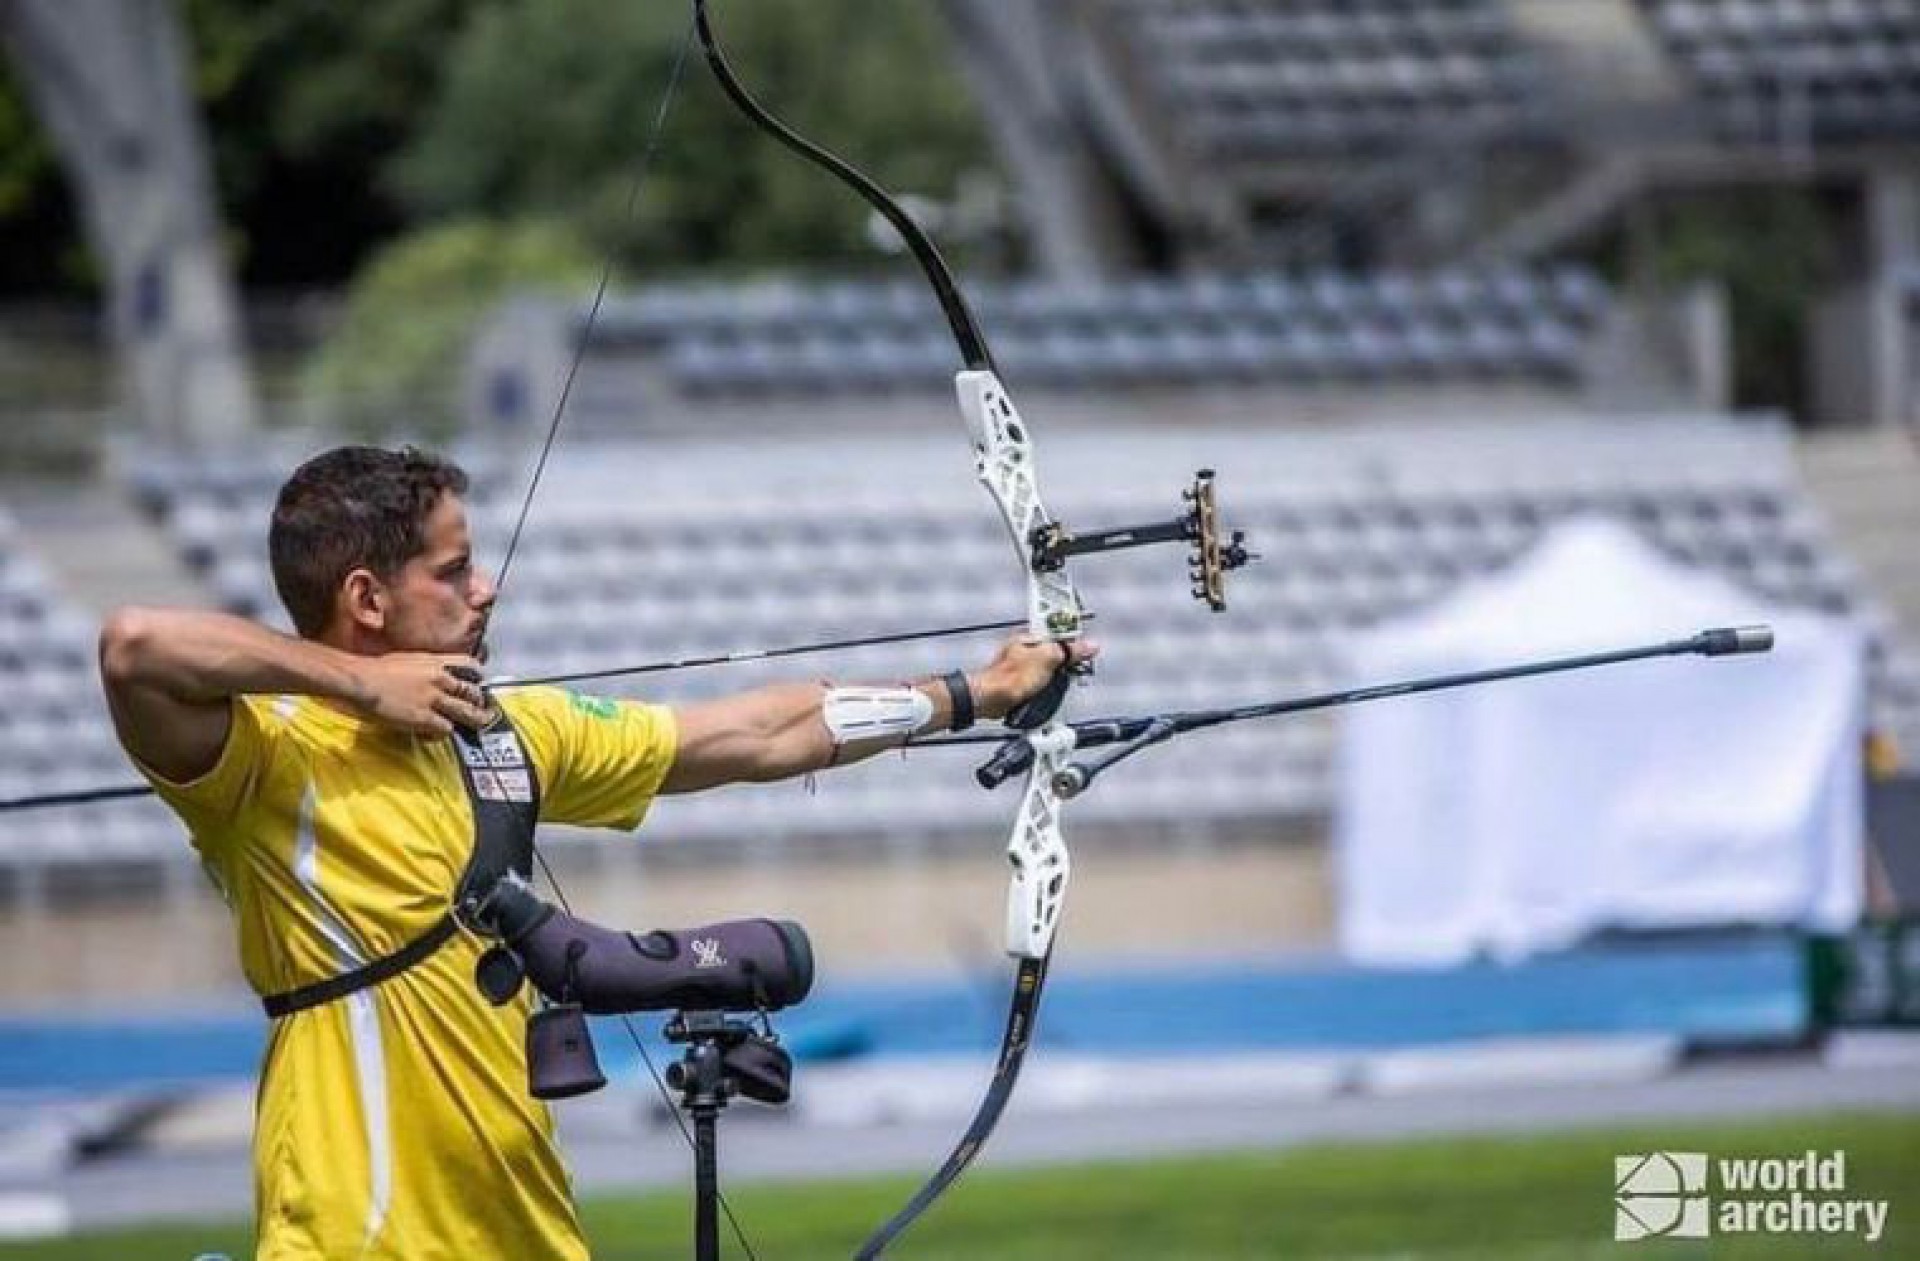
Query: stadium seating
pixel 1259 80
pixel 641 552
pixel 845 338
pixel 55 735
pixel 1246 79
pixel 1840 71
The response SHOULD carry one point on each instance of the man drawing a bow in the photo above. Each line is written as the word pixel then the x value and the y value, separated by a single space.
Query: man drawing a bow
pixel 319 777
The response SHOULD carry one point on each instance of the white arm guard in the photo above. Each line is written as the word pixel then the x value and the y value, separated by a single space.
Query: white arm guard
pixel 869 713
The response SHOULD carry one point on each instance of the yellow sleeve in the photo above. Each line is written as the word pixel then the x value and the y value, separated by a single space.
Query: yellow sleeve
pixel 600 761
pixel 209 804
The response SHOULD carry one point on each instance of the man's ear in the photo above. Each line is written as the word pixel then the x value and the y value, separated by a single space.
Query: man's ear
pixel 365 600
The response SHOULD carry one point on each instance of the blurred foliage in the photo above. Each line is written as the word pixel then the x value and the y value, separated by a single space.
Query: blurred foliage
pixel 1773 249
pixel 544 118
pixel 40 244
pixel 430 154
pixel 394 362
pixel 24 158
pixel 305 101
pixel 336 129
pixel 547 104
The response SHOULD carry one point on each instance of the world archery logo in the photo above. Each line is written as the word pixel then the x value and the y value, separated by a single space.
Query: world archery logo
pixel 1660 1195
pixel 1664 1195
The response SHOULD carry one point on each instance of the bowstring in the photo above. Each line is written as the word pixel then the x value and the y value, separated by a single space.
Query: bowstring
pixel 659 1083
pixel 647 155
pixel 641 170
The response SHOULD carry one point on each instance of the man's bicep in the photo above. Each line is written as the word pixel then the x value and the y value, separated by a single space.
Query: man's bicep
pixel 179 740
pixel 207 793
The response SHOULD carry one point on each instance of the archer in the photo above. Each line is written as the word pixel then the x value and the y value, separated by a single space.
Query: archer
pixel 338 785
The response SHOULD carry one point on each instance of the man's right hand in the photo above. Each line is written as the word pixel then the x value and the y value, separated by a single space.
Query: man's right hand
pixel 420 693
pixel 171 676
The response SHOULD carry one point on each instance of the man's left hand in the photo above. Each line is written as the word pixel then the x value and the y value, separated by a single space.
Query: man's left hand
pixel 1022 669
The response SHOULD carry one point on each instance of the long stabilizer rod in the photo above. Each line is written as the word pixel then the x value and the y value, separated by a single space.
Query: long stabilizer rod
pixel 1124 737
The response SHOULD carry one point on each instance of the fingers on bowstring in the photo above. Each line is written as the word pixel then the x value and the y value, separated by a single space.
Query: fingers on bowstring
pixel 465 669
pixel 466 682
pixel 460 704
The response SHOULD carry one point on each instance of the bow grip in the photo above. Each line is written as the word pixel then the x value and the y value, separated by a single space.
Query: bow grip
pixel 1038 710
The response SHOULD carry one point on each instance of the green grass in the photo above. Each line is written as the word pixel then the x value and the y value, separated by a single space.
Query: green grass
pixel 1544 1198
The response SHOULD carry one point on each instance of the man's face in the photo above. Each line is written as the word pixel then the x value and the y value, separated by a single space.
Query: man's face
pixel 440 600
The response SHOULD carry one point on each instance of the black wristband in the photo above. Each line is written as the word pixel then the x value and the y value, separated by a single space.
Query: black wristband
pixel 960 695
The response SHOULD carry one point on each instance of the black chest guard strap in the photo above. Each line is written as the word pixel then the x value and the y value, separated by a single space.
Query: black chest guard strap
pixel 505 795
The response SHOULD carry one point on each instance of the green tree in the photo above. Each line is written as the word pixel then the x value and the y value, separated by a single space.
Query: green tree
pixel 304 101
pixel 531 148
pixel 40 241
pixel 546 105
pixel 337 128
pixel 1773 249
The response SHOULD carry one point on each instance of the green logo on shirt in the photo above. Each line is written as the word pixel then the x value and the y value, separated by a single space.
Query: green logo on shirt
pixel 596 706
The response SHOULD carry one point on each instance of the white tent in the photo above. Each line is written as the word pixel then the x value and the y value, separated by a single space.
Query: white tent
pixel 1524 815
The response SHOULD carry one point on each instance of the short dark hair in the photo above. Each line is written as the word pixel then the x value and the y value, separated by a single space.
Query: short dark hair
pixel 351 508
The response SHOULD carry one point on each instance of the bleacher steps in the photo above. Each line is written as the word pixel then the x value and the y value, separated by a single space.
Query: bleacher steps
pixel 1867 484
pixel 98 549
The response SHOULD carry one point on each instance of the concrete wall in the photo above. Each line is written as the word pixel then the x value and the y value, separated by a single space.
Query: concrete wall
pixel 865 915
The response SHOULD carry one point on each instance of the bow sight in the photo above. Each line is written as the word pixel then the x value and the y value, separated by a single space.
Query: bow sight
pixel 1207 564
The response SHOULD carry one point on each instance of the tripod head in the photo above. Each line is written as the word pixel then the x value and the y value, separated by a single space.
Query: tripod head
pixel 727 1056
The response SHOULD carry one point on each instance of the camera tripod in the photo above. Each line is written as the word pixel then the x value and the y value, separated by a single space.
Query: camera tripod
pixel 724 1056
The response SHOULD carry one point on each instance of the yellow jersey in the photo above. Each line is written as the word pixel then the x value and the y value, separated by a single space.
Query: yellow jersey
pixel 395 1123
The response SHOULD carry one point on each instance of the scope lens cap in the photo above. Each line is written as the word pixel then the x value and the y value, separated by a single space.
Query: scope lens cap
pixel 499 974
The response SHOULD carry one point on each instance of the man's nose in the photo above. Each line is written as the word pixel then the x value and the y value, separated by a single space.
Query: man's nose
pixel 484 590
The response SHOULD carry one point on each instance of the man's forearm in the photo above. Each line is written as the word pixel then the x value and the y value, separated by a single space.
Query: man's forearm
pixel 845 753
pixel 779 732
pixel 797 741
pixel 201 656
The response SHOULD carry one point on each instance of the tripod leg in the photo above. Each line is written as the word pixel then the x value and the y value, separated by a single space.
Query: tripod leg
pixel 706 1184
